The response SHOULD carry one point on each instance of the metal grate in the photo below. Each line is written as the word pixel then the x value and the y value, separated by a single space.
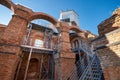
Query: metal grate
pixel 93 70
pixel 77 70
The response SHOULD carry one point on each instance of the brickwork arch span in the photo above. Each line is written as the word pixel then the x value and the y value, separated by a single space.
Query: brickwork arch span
pixel 75 28
pixel 7 3
pixel 40 15
pixel 79 32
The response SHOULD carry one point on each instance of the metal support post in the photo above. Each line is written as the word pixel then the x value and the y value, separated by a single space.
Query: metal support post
pixel 19 65
pixel 47 72
pixel 28 35
pixel 41 68
pixel 26 70
pixel 45 33
pixel 53 64
pixel 51 34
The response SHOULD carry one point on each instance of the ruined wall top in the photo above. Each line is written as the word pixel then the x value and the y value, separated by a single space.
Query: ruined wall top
pixel 110 24
pixel 2 25
pixel 117 11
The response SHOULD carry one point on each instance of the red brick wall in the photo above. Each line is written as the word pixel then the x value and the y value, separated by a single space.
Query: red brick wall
pixel 109 24
pixel 2 28
pixel 110 56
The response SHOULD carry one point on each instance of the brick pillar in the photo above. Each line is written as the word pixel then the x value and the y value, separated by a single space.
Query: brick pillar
pixel 66 57
pixel 15 30
pixel 9 47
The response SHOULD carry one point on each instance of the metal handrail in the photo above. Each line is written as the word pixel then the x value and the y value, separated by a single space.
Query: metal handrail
pixel 77 74
pixel 86 70
pixel 30 42
pixel 89 70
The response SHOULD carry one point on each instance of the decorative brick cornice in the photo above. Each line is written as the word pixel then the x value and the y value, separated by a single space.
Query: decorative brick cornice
pixel 64 41
pixel 64 31
pixel 98 38
pixel 21 17
pixel 6 52
pixel 2 44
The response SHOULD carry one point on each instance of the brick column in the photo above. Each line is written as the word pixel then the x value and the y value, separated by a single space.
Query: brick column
pixel 15 30
pixel 9 47
pixel 66 57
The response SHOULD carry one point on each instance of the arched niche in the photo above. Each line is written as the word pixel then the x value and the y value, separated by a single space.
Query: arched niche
pixel 75 43
pixel 74 35
pixel 33 69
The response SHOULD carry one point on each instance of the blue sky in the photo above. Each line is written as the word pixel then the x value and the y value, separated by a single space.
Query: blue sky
pixel 91 12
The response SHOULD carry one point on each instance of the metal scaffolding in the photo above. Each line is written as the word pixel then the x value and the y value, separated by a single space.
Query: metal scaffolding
pixel 25 42
pixel 46 68
pixel 27 66
pixel 48 38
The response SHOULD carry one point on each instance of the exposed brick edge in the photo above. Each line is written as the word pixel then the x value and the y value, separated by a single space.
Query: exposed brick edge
pixel 101 47
pixel 63 31
pixel 113 44
pixel 21 17
pixel 7 52
pixel 66 51
pixel 105 46
pixel 2 44
pixel 67 58
pixel 100 37
pixel 107 34
pixel 112 32
pixel 22 9
pixel 64 41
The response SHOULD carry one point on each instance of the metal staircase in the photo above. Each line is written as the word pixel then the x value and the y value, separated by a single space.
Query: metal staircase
pixel 92 71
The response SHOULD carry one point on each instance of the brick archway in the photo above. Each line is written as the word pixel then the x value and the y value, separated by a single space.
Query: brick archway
pixel 33 69
pixel 75 28
pixel 7 3
pixel 40 15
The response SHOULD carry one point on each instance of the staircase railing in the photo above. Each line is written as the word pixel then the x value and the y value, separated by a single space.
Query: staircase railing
pixel 76 71
pixel 92 71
